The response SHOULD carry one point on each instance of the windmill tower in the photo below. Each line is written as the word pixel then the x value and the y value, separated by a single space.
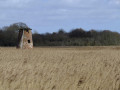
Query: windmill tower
pixel 25 39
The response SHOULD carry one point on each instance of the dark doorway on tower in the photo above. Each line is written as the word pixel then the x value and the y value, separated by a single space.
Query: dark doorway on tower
pixel 28 41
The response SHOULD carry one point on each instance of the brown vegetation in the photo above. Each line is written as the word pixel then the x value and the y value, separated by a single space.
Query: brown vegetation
pixel 70 68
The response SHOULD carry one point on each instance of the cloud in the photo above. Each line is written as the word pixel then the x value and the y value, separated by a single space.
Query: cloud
pixel 43 13
pixel 2 16
pixel 116 2
pixel 18 1
pixel 14 3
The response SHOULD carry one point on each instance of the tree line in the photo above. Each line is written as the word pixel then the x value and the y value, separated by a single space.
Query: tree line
pixel 76 37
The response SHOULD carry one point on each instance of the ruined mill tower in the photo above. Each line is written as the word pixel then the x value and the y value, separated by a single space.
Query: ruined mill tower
pixel 25 39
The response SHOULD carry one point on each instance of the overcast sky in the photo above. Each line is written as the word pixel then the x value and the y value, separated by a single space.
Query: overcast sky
pixel 52 15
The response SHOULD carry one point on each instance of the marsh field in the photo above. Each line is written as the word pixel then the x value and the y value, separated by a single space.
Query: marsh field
pixel 60 68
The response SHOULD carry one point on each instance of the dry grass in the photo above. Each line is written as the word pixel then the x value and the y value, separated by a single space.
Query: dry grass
pixel 75 68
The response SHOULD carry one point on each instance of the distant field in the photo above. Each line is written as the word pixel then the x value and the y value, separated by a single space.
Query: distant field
pixel 60 68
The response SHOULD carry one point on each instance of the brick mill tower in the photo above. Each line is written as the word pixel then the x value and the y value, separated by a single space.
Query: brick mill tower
pixel 25 39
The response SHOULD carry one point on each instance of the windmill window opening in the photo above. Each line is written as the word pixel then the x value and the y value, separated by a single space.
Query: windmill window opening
pixel 28 41
pixel 28 31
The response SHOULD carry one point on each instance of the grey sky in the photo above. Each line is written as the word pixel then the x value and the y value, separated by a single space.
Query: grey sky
pixel 51 15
